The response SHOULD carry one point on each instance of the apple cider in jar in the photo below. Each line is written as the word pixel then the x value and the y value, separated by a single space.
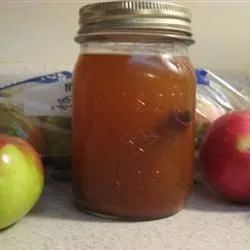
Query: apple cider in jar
pixel 133 110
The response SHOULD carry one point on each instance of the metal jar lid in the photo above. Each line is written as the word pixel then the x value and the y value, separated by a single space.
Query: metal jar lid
pixel 169 20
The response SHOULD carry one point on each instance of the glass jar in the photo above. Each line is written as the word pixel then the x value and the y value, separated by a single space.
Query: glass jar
pixel 133 110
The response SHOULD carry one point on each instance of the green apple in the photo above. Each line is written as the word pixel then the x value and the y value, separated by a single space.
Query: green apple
pixel 21 179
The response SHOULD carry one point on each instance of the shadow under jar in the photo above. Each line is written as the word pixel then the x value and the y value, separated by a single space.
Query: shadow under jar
pixel 133 110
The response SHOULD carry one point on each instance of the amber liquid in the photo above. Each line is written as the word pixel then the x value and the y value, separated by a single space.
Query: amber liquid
pixel 133 139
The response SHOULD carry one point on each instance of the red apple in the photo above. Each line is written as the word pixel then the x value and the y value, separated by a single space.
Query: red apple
pixel 21 179
pixel 225 156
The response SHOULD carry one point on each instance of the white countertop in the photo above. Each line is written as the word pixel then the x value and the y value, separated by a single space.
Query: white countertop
pixel 205 223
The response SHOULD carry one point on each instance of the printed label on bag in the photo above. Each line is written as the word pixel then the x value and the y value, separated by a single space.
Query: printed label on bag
pixel 48 95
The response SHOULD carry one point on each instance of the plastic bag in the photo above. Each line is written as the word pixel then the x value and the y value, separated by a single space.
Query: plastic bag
pixel 38 110
pixel 216 97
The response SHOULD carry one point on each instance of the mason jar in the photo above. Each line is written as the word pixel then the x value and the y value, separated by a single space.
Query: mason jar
pixel 133 110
